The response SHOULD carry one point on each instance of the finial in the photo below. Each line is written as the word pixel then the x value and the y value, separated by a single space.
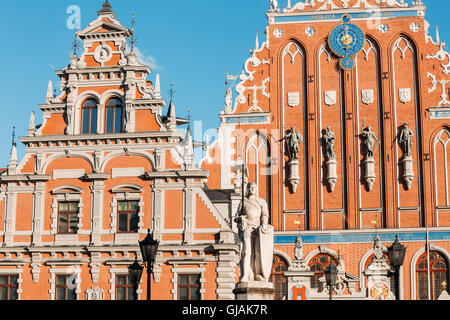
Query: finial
pixel 32 125
pixel 133 23
pixel 14 136
pixel 75 43
pixel 257 41
pixel 157 87
pixel 438 38
pixel 49 96
pixel 226 81
pixel 106 8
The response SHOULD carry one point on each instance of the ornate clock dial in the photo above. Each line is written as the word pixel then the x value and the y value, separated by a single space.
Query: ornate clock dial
pixel 346 40
pixel 347 63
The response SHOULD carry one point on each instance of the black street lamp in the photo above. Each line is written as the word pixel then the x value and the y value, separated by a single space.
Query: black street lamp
pixel 331 276
pixel 396 254
pixel 135 274
pixel 149 248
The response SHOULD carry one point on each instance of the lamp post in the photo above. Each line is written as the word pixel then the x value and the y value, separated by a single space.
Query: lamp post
pixel 331 276
pixel 396 254
pixel 135 274
pixel 149 248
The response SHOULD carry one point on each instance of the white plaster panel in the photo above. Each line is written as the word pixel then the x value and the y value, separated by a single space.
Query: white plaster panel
pixel 127 172
pixel 68 174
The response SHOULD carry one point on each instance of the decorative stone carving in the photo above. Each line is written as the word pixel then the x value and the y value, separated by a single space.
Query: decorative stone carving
pixel 293 99
pixel 256 237
pixel 406 143
pixel 367 97
pixel 330 98
pixel 278 33
pixel 328 141
pixel 378 282
pixel 228 101
pixel 368 140
pixel 95 294
pixel 274 6
pixel 404 95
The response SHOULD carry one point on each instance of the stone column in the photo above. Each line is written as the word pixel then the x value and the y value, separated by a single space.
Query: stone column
pixel 227 260
pixel 10 217
pixel 189 213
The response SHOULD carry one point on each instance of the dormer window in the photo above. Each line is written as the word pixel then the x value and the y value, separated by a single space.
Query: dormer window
pixel 113 116
pixel 89 117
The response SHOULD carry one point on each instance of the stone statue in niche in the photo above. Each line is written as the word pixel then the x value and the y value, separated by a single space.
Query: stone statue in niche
pixel 369 138
pixel 378 248
pixel 405 140
pixel 328 140
pixel 293 138
pixel 256 237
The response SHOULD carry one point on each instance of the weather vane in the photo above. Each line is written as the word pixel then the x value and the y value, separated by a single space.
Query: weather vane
pixel 75 43
pixel 171 91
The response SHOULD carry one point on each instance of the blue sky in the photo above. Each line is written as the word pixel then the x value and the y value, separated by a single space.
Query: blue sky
pixel 190 43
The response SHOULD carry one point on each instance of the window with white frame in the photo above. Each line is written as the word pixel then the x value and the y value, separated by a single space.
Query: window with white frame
pixel 188 283
pixel 65 283
pixel 67 210
pixel 127 209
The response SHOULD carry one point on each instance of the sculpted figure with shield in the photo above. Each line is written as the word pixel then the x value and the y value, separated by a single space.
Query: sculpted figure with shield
pixel 256 236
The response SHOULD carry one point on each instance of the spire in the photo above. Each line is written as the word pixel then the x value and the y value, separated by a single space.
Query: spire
pixel 32 126
pixel 171 113
pixel 257 41
pixel 106 9
pixel 189 146
pixel 438 38
pixel 13 159
pixel 49 96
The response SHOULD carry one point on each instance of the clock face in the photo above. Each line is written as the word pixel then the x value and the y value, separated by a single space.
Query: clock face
pixel 346 40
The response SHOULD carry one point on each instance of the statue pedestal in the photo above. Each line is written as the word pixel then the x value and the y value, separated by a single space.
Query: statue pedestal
pixel 370 172
pixel 294 177
pixel 254 290
pixel 408 171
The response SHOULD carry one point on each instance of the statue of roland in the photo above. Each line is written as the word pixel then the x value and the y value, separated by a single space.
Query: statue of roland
pixel 256 236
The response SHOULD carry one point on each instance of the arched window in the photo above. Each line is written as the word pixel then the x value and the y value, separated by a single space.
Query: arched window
pixel 278 278
pixel 89 117
pixel 438 273
pixel 318 265
pixel 114 111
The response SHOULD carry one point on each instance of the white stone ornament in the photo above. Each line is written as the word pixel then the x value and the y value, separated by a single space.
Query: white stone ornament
pixel 278 33
pixel 310 31
pixel 415 27
pixel 330 98
pixel 293 99
pixel 103 53
pixel 404 95
pixel 383 28
pixel 367 97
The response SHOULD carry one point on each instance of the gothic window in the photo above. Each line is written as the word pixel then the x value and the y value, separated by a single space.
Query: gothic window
pixel 189 287
pixel 89 117
pixel 124 288
pixel 114 112
pixel 8 287
pixel 439 274
pixel 318 265
pixel 68 217
pixel 128 216
pixel 278 278
pixel 65 288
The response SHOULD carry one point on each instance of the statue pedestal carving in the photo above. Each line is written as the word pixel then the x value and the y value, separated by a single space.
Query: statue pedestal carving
pixel 332 177
pixel 254 290
pixel 294 177
pixel 408 171
pixel 369 176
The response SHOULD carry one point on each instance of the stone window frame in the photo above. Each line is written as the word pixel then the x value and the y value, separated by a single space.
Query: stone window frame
pixel 14 272
pixel 69 271
pixel 114 272
pixel 66 194
pixel 191 271
pixel 133 193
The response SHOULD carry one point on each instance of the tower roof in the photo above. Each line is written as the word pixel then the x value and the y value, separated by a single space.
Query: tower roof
pixel 106 9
